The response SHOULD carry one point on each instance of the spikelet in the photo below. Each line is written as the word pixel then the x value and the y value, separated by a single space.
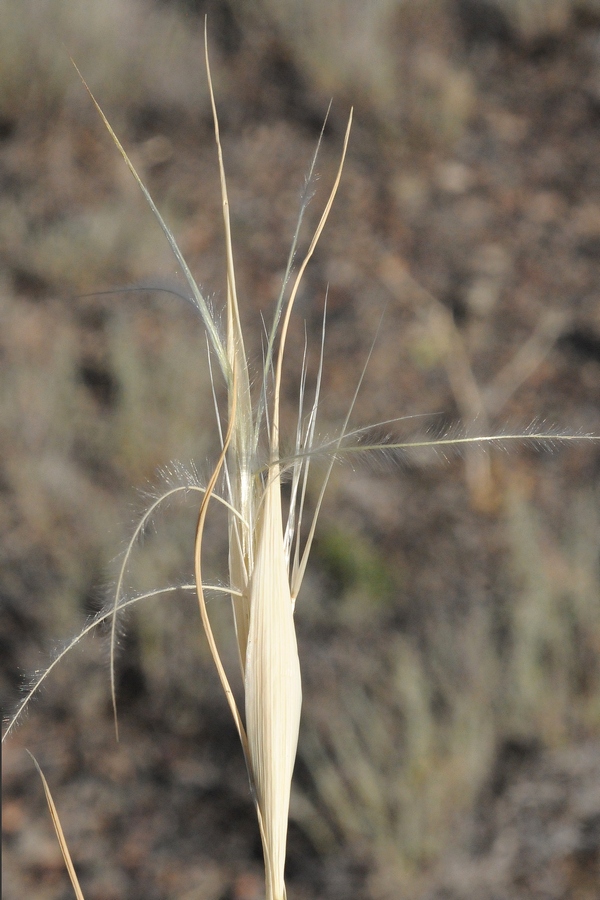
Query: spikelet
pixel 273 691
pixel 259 569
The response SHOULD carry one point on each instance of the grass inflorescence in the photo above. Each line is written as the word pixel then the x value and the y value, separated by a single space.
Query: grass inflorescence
pixel 269 537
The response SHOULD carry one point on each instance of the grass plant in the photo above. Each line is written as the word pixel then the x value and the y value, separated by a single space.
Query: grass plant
pixel 269 541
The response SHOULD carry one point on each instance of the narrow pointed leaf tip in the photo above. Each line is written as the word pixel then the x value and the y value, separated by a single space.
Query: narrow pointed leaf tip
pixel 59 832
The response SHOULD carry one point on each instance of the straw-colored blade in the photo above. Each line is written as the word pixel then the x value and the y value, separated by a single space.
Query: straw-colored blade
pixel 59 833
pixel 241 601
pixel 239 456
pixel 273 688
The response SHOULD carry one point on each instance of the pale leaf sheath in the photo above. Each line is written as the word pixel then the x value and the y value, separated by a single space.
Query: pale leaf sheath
pixel 273 688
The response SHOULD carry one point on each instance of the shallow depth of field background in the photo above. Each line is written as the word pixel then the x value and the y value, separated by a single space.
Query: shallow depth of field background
pixel 449 625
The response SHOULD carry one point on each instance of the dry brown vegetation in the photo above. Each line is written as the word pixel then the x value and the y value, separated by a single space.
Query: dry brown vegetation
pixel 449 628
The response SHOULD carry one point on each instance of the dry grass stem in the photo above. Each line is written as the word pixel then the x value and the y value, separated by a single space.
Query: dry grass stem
pixel 59 833
pixel 267 552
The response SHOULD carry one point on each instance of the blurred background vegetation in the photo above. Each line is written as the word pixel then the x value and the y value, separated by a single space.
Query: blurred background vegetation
pixel 450 622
